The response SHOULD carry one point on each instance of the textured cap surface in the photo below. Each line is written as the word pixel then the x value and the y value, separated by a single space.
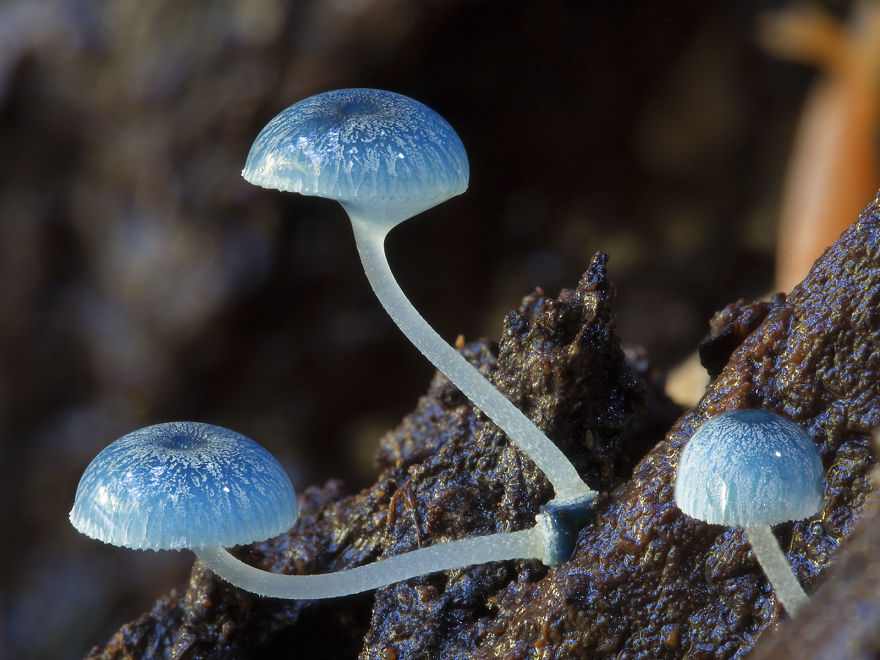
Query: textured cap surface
pixel 362 147
pixel 183 485
pixel 749 467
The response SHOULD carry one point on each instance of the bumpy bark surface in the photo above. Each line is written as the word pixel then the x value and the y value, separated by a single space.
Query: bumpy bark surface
pixel 644 580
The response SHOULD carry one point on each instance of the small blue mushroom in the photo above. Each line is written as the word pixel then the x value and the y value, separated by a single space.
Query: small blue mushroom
pixel 385 158
pixel 189 485
pixel 753 469
pixel 183 485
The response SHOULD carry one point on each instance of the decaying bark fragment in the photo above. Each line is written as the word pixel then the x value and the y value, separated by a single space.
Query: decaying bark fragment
pixel 644 581
pixel 647 582
pixel 446 473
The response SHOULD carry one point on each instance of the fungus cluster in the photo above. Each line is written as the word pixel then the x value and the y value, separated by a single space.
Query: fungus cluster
pixel 753 469
pixel 187 485
pixel 385 158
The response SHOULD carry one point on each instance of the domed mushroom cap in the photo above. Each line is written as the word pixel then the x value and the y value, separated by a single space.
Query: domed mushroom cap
pixel 364 148
pixel 183 485
pixel 747 468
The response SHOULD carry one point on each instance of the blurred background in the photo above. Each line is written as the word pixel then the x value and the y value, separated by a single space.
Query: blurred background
pixel 142 280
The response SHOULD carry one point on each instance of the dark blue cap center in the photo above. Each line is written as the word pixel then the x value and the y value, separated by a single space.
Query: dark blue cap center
pixel 181 441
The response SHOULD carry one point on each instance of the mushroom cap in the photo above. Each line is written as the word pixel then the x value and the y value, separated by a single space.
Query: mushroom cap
pixel 183 485
pixel 366 148
pixel 748 468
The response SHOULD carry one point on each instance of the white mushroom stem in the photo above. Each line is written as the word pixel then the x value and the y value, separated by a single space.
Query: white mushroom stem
pixel 527 544
pixel 776 567
pixel 370 242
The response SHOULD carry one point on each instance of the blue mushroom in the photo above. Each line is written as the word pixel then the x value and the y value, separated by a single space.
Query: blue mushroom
pixel 753 469
pixel 190 485
pixel 183 485
pixel 385 158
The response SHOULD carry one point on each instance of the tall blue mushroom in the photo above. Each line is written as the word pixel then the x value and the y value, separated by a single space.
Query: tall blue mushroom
pixel 753 469
pixel 190 485
pixel 385 158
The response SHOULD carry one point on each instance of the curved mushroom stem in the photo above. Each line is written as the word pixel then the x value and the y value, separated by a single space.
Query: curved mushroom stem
pixel 526 544
pixel 776 568
pixel 370 237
